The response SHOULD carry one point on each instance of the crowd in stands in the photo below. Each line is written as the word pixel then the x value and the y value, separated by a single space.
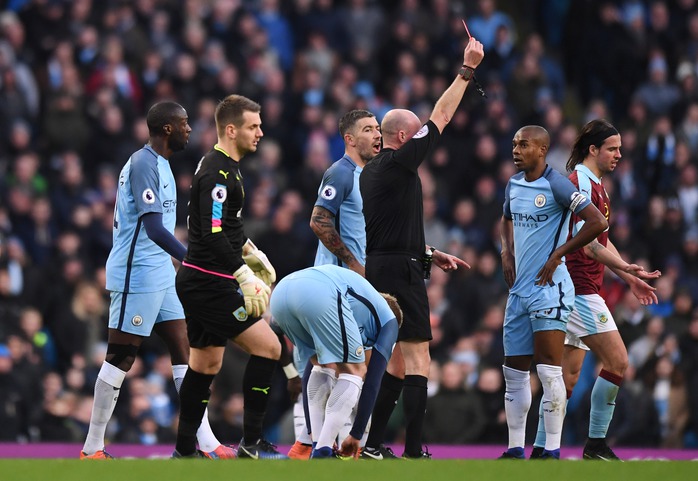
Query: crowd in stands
pixel 76 78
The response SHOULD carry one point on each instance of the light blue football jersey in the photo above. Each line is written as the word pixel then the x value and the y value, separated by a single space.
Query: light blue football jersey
pixel 370 310
pixel 540 213
pixel 135 263
pixel 339 193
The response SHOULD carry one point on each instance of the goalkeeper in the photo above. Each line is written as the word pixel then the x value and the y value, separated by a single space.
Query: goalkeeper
pixel 224 285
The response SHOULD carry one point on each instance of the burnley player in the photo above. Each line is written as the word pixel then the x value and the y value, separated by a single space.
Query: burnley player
pixel 595 153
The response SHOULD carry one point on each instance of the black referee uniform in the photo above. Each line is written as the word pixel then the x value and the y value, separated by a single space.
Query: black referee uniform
pixel 392 196
pixel 213 305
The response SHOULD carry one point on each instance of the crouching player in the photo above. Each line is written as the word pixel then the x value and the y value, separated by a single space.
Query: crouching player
pixel 331 315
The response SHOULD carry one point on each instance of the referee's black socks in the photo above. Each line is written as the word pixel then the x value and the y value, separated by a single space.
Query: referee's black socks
pixel 388 394
pixel 414 402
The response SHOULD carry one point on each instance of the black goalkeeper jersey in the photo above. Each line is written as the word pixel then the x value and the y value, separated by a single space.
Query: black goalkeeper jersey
pixel 392 196
pixel 216 233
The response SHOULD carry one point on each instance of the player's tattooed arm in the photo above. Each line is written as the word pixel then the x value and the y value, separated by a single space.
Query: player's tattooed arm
pixel 609 256
pixel 322 222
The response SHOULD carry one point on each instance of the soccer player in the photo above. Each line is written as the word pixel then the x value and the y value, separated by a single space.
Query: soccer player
pixel 537 205
pixel 224 284
pixel 396 261
pixel 338 222
pixel 595 153
pixel 337 219
pixel 141 277
pixel 332 314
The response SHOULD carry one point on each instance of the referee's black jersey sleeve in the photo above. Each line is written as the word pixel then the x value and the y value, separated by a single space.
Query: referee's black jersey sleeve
pixel 392 195
pixel 216 233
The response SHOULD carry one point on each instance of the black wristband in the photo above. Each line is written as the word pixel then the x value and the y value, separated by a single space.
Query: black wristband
pixel 466 72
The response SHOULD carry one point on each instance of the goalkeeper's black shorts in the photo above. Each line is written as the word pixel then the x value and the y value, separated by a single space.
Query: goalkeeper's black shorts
pixel 402 275
pixel 213 306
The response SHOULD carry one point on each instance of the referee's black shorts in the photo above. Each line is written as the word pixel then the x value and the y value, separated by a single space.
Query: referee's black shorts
pixel 213 306
pixel 402 275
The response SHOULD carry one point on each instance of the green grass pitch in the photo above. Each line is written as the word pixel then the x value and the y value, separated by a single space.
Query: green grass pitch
pixel 334 470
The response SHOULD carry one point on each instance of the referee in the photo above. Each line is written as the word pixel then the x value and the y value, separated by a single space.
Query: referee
pixel 396 262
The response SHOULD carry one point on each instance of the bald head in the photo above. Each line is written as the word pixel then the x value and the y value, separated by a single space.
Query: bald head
pixel 537 134
pixel 399 126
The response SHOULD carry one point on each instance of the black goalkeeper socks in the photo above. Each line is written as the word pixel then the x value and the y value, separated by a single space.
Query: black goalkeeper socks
pixel 256 384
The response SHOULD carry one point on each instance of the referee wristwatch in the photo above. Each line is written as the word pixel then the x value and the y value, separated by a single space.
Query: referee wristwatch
pixel 466 72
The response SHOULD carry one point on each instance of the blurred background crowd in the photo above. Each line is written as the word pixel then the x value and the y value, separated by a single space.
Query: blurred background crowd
pixel 76 78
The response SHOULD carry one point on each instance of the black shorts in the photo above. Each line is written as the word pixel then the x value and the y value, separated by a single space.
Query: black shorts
pixel 403 276
pixel 213 306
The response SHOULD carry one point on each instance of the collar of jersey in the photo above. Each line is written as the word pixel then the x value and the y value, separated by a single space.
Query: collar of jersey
pixel 222 151
pixel 150 148
pixel 586 171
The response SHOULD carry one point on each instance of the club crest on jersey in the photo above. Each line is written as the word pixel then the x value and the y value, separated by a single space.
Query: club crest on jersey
pixel 603 318
pixel 328 192
pixel 421 132
pixel 219 193
pixel 137 320
pixel 148 196
pixel 359 350
pixel 240 314
pixel 540 200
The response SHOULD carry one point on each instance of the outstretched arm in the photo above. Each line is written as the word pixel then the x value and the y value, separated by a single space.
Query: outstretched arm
pixel 322 222
pixel 610 257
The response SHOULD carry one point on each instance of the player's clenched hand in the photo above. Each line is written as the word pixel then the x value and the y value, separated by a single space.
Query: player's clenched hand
pixel 255 291
pixel 350 447
pixel 258 262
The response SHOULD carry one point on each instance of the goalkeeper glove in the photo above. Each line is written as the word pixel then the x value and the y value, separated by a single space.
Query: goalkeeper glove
pixel 255 291
pixel 258 262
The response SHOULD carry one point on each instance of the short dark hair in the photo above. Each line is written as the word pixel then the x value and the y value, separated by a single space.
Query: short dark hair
pixel 161 114
pixel 348 120
pixel 230 111
pixel 594 133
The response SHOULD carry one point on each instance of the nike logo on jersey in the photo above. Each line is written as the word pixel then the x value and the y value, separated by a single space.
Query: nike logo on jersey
pixel 224 174
pixel 265 390
pixel 166 186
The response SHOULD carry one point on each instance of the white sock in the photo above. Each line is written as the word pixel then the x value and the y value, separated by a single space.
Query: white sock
pixel 342 400
pixel 299 427
pixel 320 385
pixel 517 402
pixel 106 393
pixel 345 429
pixel 207 440
pixel 554 402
